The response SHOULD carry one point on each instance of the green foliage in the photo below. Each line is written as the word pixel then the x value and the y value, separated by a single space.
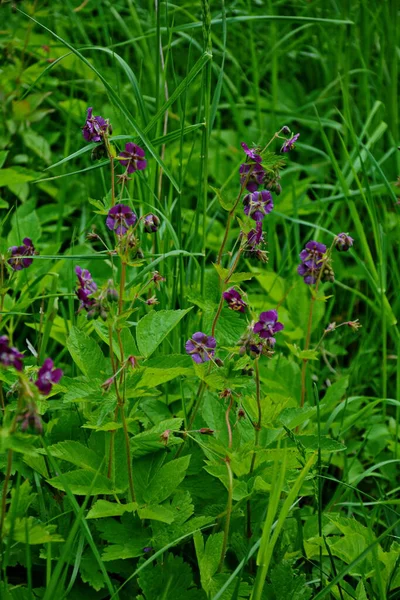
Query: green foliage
pixel 155 477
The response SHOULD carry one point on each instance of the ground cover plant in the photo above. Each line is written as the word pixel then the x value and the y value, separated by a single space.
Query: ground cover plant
pixel 199 351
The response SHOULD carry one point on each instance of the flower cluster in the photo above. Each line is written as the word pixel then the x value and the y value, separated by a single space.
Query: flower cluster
pixel 95 128
pixel 87 287
pixel 9 355
pixel 201 347
pixel 20 255
pixel 312 261
pixel 259 338
pixel 94 301
pixel 30 420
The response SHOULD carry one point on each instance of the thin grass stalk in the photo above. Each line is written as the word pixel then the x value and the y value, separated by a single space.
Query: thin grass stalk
pixel 268 541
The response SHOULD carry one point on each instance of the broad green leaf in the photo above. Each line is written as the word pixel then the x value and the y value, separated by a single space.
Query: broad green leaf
pixel 208 557
pixel 33 531
pixel 166 480
pixel 80 482
pixel 292 417
pixel 104 508
pixel 76 453
pixel 156 513
pixel 154 328
pixel 226 204
pixel 86 354
pixel 310 442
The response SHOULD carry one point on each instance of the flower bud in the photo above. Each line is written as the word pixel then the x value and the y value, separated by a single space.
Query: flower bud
pixel 219 362
pixel 343 242
pixel 111 293
pixel 285 130
pixel 151 223
pixel 206 431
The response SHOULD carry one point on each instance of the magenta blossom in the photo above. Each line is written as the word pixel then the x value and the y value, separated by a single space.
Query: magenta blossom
pixel 251 153
pixel 133 158
pixel 290 143
pixel 10 356
pixel 201 347
pixel 20 255
pixel 95 127
pixel 120 217
pixel 47 376
pixel 234 300
pixel 268 325
pixel 258 204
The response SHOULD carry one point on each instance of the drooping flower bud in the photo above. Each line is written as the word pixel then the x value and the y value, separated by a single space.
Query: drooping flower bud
pixel 151 223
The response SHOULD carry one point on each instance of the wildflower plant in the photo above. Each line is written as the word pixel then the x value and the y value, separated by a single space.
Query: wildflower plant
pixel 173 381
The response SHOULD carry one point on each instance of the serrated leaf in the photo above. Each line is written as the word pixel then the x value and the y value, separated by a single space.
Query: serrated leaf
pixel 28 529
pixel 75 453
pixel 167 480
pixel 156 513
pixel 208 557
pixel 80 483
pixel 311 442
pixel 153 328
pixel 104 508
pixel 292 417
pixel 86 353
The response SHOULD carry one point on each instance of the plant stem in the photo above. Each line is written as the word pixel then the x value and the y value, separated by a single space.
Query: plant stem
pixel 122 288
pixel 306 347
pixel 257 428
pixel 227 421
pixel 4 494
pixel 128 455
pixel 230 216
pixel 228 513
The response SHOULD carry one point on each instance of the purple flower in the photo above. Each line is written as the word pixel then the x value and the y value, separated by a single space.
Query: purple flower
pixel 312 261
pixel 312 254
pixel 309 274
pixel 256 177
pixel 258 204
pixel 133 156
pixel 268 325
pixel 120 218
pixel 151 223
pixel 19 255
pixel 252 154
pixel 47 376
pixel 201 347
pixel 343 242
pixel 95 127
pixel 86 289
pixel 290 143
pixel 234 300
pixel 10 356
pixel 255 236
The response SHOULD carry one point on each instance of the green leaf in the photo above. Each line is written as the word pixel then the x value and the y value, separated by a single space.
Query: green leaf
pixel 208 557
pixel 226 204
pixel 298 301
pixel 80 482
pixel 167 480
pixel 76 453
pixel 104 508
pixel 168 580
pixel 236 277
pixel 292 417
pixel 156 513
pixel 154 328
pixel 285 584
pixel 302 354
pixel 127 538
pixel 86 353
pixel 310 442
pixel 33 531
